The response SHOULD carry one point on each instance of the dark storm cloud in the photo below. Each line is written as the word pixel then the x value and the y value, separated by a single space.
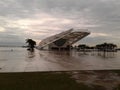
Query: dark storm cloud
pixel 20 18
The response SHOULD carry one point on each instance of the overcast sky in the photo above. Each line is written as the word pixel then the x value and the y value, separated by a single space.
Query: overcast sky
pixel 37 19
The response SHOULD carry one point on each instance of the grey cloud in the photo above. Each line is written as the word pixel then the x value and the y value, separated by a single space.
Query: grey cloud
pixel 101 16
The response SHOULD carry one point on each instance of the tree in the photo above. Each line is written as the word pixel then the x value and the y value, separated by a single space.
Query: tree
pixel 83 47
pixel 31 44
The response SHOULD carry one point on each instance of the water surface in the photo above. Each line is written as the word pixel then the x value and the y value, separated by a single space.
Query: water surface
pixel 17 59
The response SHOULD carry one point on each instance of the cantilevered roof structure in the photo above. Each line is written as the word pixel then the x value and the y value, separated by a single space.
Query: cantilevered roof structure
pixel 64 39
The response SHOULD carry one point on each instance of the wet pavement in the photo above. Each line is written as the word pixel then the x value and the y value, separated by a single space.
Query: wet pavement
pixel 21 60
pixel 100 80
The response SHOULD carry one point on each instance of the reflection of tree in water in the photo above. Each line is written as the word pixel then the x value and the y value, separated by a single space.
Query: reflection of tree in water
pixel 30 56
pixel 107 54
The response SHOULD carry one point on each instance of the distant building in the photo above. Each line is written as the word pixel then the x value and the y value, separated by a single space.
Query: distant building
pixel 63 40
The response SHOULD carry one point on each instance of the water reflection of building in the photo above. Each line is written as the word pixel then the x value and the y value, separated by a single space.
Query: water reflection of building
pixel 64 40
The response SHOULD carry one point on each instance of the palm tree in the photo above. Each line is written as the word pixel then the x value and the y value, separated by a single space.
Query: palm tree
pixel 31 44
